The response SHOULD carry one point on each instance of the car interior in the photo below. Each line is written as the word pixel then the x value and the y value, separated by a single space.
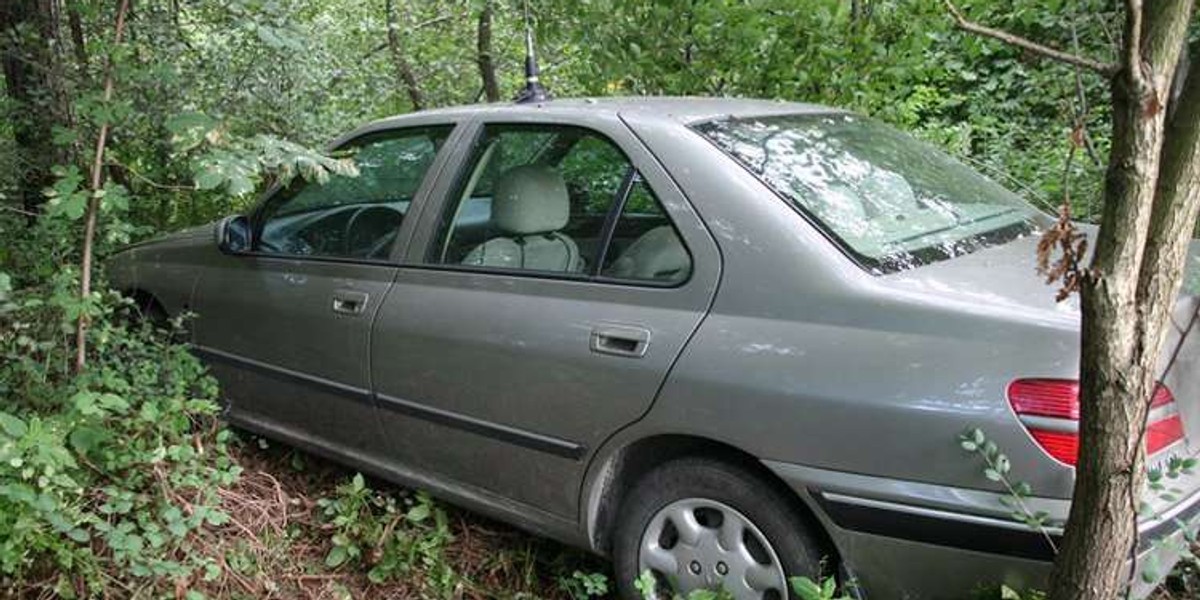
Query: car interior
pixel 540 200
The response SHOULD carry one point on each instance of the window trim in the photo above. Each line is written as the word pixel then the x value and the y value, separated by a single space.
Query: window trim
pixel 281 193
pixel 462 178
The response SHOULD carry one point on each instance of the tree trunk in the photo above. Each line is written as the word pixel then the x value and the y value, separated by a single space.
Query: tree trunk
pixel 404 71
pixel 34 83
pixel 483 47
pixel 1127 297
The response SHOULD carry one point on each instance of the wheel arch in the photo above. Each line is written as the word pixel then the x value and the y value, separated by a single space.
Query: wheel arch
pixel 619 470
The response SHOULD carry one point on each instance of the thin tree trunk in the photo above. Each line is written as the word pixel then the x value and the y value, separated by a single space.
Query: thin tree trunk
pixel 34 84
pixel 1126 302
pixel 405 75
pixel 93 207
pixel 78 41
pixel 483 47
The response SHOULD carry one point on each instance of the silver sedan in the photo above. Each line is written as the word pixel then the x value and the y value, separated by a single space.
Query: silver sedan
pixel 724 342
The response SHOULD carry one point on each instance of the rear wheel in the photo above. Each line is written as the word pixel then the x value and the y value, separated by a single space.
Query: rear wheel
pixel 705 524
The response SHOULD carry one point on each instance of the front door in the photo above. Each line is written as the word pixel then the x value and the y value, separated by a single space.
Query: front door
pixel 539 310
pixel 286 326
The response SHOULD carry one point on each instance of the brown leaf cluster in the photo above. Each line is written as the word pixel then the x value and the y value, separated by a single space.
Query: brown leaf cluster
pixel 1060 252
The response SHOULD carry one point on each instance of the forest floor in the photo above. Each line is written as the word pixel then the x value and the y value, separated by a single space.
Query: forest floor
pixel 277 542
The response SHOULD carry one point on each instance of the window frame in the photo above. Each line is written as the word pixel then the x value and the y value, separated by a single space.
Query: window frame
pixel 282 193
pixel 427 259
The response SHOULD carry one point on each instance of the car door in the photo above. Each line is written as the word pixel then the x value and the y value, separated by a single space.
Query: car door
pixel 512 344
pixel 286 326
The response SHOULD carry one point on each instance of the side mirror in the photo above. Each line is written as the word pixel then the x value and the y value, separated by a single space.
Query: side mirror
pixel 233 234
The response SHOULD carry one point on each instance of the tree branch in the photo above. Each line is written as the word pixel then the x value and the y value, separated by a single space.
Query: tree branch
pixel 404 71
pixel 483 47
pixel 1105 69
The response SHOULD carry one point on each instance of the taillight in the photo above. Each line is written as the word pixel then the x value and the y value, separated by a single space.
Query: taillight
pixel 1049 409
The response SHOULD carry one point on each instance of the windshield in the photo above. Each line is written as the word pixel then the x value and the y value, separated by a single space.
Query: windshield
pixel 892 201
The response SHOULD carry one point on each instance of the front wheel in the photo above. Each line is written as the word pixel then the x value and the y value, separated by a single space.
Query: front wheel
pixel 705 524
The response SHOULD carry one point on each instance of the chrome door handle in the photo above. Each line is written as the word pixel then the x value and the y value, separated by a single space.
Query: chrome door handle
pixel 620 340
pixel 349 302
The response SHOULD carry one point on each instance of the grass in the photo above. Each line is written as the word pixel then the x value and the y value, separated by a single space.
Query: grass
pixel 279 538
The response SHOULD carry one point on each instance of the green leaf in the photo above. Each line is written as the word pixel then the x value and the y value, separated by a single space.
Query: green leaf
pixel 336 557
pixel 12 426
pixel 992 474
pixel 86 439
pixel 806 588
pixel 189 129
pixel 418 513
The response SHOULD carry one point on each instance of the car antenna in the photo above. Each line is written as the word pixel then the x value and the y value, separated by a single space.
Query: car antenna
pixel 533 91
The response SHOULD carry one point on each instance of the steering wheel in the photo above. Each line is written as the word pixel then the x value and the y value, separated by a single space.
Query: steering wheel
pixel 370 231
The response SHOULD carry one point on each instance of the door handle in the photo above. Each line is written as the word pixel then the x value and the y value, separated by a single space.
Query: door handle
pixel 620 340
pixel 349 302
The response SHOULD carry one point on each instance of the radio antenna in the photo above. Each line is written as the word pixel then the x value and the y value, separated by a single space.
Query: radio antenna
pixel 533 90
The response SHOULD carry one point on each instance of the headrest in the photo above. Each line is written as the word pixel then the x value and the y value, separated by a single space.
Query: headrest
pixel 657 254
pixel 530 199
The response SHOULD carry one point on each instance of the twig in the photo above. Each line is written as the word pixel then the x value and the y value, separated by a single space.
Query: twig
pixel 21 211
pixel 148 181
pixel 93 206
pixel 1081 109
pixel 1106 69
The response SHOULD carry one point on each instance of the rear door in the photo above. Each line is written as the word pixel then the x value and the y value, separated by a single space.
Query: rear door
pixel 286 326
pixel 505 378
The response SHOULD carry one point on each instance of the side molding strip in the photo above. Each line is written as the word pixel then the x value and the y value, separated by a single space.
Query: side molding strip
pixel 936 527
pixel 512 435
pixel 356 394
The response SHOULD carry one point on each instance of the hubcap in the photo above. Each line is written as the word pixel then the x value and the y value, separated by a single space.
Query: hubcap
pixel 697 543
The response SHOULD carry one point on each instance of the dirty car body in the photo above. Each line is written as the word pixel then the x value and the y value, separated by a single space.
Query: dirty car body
pixel 527 310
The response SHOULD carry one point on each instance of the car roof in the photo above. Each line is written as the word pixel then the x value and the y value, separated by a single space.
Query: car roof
pixel 685 109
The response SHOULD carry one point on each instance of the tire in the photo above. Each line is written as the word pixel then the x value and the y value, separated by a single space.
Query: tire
pixel 703 487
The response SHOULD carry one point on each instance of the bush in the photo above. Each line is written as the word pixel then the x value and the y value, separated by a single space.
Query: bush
pixel 104 476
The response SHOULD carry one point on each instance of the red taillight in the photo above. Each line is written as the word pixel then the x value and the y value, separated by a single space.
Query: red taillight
pixel 1062 446
pixel 1049 409
pixel 1163 433
pixel 1045 398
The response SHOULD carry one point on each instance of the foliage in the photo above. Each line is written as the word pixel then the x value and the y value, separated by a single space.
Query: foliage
pixel 108 475
pixel 803 587
pixel 582 585
pixel 997 468
pixel 392 537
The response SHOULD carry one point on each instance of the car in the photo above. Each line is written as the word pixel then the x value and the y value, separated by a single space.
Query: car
pixel 727 342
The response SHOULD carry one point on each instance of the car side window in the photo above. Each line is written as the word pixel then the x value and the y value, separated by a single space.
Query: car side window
pixel 645 245
pixel 536 198
pixel 353 216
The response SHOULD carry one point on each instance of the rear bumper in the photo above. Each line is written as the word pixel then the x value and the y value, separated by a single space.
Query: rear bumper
pixel 905 540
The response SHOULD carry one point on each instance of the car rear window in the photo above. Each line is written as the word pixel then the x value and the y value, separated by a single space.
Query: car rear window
pixel 891 201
